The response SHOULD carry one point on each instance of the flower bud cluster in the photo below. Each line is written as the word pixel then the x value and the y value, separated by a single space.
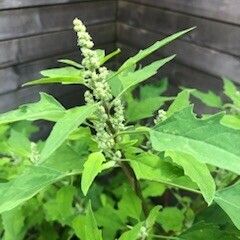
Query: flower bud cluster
pixel 95 77
pixel 161 116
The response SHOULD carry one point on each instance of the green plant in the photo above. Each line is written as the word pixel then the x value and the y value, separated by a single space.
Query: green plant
pixel 110 169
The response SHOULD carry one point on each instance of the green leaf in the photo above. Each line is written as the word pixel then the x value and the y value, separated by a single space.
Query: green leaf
pixel 206 140
pixel 107 218
pixel 71 63
pixel 132 234
pixel 65 75
pixel 228 199
pixel 232 121
pixel 36 178
pixel 133 78
pixel 13 223
pixel 138 110
pixel 180 102
pixel 171 219
pixel 109 56
pixel 197 171
pixel 92 167
pixel 152 217
pixel 60 208
pixel 64 127
pixel 153 90
pixel 209 98
pixel 91 228
pixel 151 167
pixel 144 53
pixel 48 108
pixel 231 91
pixel 130 205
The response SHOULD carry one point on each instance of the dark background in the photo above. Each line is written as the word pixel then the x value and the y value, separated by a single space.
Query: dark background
pixel 34 34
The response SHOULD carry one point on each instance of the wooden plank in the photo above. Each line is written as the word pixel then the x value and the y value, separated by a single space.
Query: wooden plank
pixel 46 45
pixel 203 59
pixel 20 74
pixel 31 21
pixel 221 10
pixel 12 4
pixel 215 35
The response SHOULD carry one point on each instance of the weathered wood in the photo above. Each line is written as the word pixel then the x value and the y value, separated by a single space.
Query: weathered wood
pixel 204 59
pixel 31 21
pixel 13 77
pixel 46 45
pixel 221 10
pixel 215 35
pixel 12 4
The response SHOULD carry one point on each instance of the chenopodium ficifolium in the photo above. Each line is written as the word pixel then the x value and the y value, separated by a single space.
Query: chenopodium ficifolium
pixel 107 123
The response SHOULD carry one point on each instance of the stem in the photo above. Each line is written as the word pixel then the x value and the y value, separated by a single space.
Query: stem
pixel 134 184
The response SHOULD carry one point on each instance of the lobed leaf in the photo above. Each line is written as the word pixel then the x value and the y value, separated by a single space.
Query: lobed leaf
pixel 48 108
pixel 206 140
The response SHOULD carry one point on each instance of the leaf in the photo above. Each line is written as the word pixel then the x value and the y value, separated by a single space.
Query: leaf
pixel 60 208
pixel 130 205
pixel 150 167
pixel 197 171
pixel 13 223
pixel 132 234
pixel 231 91
pixel 152 217
pixel 144 53
pixel 36 178
pixel 209 98
pixel 48 108
pixel 133 78
pixel 65 75
pixel 91 228
pixel 228 199
pixel 71 63
pixel 180 102
pixel 92 167
pixel 204 230
pixel 153 90
pixel 171 219
pixel 138 110
pixel 64 127
pixel 232 121
pixel 109 56
pixel 107 218
pixel 206 140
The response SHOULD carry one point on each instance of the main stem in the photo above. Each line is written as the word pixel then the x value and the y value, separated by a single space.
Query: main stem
pixel 134 184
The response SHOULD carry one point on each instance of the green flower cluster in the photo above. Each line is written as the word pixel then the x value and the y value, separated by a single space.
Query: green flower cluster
pixel 110 114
